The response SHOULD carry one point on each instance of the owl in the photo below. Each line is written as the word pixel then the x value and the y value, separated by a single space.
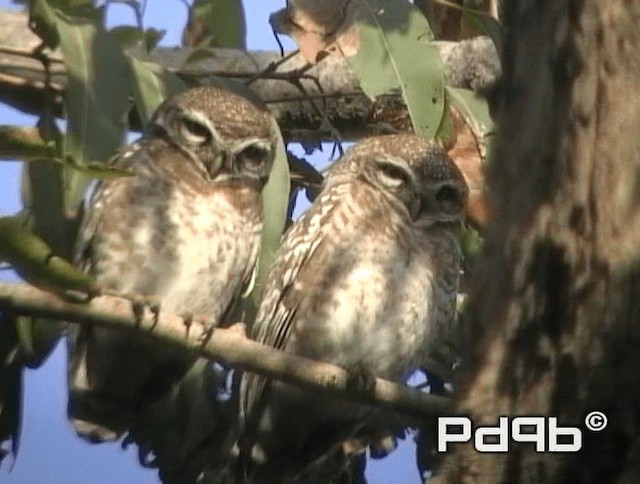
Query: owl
pixel 366 279
pixel 183 231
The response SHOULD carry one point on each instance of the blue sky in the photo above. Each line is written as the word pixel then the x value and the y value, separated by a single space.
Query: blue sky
pixel 50 452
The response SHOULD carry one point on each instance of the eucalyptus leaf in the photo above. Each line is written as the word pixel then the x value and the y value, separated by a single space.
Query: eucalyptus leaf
pixel 152 84
pixel 395 53
pixel 447 130
pixel 152 38
pixel 34 260
pixel 472 245
pixel 46 187
pixel 475 111
pixel 97 97
pixel 222 22
pixel 275 206
pixel 482 22
pixel 37 338
pixel 130 37
pixel 488 25
pixel 42 20
pixel 127 35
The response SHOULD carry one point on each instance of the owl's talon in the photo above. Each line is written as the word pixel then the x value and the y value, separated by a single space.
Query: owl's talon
pixel 154 307
pixel 207 324
pixel 187 320
pixel 138 305
pixel 361 379
pixel 206 334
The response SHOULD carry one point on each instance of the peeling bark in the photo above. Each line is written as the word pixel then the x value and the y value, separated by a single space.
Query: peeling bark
pixel 334 88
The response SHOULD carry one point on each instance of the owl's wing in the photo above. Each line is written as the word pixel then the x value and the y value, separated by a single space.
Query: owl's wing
pixel 93 208
pixel 246 285
pixel 92 215
pixel 305 240
pixel 86 407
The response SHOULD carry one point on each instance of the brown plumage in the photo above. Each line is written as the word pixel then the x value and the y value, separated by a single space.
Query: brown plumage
pixel 184 230
pixel 366 279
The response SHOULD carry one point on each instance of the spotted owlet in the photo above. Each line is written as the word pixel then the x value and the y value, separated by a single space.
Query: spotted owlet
pixel 185 230
pixel 366 279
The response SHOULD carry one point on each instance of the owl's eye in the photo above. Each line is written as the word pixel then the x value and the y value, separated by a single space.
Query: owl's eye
pixel 393 175
pixel 253 156
pixel 449 198
pixel 194 132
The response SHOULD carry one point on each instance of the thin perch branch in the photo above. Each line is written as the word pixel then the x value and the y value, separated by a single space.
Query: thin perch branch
pixel 225 345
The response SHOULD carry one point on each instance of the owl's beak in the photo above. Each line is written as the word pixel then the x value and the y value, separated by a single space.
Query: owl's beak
pixel 216 165
pixel 420 205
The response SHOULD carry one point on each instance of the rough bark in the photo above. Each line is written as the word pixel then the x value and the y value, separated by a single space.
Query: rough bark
pixel 330 84
pixel 559 322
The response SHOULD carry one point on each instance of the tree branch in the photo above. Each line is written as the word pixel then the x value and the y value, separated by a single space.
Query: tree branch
pixel 471 63
pixel 229 346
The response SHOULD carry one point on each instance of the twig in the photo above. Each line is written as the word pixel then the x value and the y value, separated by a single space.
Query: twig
pixel 332 95
pixel 271 68
pixel 228 346
pixel 290 76
pixel 27 53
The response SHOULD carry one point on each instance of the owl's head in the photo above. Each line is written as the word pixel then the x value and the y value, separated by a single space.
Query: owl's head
pixel 414 173
pixel 225 130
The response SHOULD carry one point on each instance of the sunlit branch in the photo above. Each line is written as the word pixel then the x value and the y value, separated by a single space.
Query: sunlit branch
pixel 229 346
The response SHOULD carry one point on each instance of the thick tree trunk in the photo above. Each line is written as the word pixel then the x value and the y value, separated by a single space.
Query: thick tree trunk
pixel 559 326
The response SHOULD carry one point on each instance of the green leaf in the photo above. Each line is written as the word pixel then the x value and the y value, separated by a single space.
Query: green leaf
pixel 475 111
pixel 395 54
pixel 131 37
pixel 275 205
pixel 127 35
pixel 42 20
pixel 45 183
pixel 223 20
pixel 482 22
pixel 472 243
pixel 447 130
pixel 37 338
pixel 34 260
pixel 152 84
pixel 43 191
pixel 97 96
pixel 485 23
pixel 152 38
